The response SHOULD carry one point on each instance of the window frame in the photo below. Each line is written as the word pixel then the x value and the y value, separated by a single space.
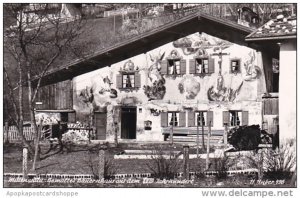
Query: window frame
pixel 238 60
pixel 128 74
pixel 240 116
pixel 178 70
pixel 203 116
pixel 196 64
pixel 177 115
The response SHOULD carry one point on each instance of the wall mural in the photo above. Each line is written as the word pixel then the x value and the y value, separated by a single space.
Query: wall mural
pixel 87 95
pixel 106 88
pixel 189 86
pixel 252 71
pixel 190 45
pixel 156 90
pixel 221 93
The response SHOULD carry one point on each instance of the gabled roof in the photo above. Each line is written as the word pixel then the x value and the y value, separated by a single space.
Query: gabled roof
pixel 196 22
pixel 279 28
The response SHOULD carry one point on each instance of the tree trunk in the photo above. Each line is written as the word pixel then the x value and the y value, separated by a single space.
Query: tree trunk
pixel 36 149
pixel 21 112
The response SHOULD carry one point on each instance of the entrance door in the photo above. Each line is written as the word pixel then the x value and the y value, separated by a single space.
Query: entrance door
pixel 128 123
pixel 100 123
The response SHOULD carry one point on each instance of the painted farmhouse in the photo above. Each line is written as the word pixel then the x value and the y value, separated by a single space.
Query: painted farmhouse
pixel 198 71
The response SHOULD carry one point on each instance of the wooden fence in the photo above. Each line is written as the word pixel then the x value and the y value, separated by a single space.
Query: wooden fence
pixel 13 134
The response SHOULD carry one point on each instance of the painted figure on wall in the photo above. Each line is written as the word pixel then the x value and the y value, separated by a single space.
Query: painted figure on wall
pixel 252 70
pixel 156 90
pixel 189 86
pixel 106 88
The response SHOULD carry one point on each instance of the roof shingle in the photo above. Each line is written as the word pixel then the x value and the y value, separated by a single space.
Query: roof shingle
pixel 279 27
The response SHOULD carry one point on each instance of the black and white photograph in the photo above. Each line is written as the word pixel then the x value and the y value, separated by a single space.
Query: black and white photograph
pixel 150 95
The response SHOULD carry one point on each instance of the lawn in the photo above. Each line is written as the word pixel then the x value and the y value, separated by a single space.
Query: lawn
pixel 78 160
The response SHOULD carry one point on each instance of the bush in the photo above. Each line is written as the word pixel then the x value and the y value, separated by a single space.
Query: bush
pixel 164 163
pixel 110 167
pixel 280 163
pixel 245 137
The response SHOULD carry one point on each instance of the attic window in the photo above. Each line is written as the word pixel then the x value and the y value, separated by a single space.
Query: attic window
pixel 174 67
pixel 235 65
pixel 128 80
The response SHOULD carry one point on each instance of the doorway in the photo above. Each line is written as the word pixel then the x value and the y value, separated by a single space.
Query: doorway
pixel 128 123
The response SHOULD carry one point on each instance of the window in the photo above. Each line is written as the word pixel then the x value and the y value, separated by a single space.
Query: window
pixel 235 118
pixel 173 119
pixel 128 80
pixel 201 118
pixel 174 67
pixel 201 66
pixel 176 119
pixel 235 65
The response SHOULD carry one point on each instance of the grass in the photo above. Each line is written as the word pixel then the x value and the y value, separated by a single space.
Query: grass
pixel 75 162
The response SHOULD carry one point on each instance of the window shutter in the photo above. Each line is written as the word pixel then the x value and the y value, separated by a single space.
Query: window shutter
pixel 245 118
pixel 119 81
pixel 226 117
pixel 191 118
pixel 182 119
pixel 164 119
pixel 164 67
pixel 210 118
pixel 211 65
pixel 182 67
pixel 192 66
pixel 137 80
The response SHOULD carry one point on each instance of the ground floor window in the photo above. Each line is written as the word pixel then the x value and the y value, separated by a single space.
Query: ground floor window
pixel 235 118
pixel 201 118
pixel 173 118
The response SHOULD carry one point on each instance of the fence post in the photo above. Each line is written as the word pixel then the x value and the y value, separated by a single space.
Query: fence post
pixel 225 135
pixel 186 166
pixel 101 171
pixel 6 140
pixel 208 145
pixel 25 162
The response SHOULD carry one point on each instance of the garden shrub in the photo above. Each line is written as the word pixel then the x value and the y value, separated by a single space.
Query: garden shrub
pixel 164 163
pixel 245 137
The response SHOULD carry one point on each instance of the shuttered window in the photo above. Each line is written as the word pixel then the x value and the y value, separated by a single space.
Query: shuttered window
pixel 173 118
pixel 128 80
pixel 201 66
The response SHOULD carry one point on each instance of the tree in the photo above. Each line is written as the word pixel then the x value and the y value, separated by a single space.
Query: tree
pixel 41 37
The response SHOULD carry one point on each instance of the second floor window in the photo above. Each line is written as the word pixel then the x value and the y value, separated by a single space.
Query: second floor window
pixel 174 67
pixel 201 65
pixel 128 81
